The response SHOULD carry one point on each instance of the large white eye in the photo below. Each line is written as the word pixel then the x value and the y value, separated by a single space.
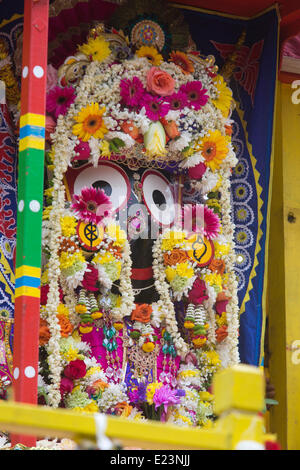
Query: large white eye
pixel 158 197
pixel 109 177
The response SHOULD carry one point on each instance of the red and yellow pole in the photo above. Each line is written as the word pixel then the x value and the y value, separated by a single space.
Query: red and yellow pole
pixel 30 206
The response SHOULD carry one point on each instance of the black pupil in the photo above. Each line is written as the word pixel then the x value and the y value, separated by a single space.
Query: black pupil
pixel 103 185
pixel 158 198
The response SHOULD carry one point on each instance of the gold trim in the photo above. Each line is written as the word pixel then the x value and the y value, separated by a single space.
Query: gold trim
pixel 259 211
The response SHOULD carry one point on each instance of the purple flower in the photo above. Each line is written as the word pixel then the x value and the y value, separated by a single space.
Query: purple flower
pixel 196 95
pixel 59 100
pixel 177 101
pixel 155 107
pixel 139 394
pixel 131 91
pixel 165 396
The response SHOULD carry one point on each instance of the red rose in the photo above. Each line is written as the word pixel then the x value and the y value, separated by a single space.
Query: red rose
pixel 75 369
pixel 197 171
pixel 198 292
pixel 66 386
pixel 44 294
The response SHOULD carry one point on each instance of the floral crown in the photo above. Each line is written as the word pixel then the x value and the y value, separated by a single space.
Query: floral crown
pixel 133 99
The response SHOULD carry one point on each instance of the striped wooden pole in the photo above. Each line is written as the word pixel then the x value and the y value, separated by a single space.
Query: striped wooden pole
pixel 30 205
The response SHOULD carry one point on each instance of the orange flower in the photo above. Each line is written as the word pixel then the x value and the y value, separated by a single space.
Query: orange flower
pixel 221 333
pixel 176 256
pixel 217 265
pixel 66 326
pixel 131 129
pixel 182 61
pixel 228 130
pixel 123 409
pixel 117 251
pixel 142 313
pixel 170 128
pixel 100 385
pixel 44 334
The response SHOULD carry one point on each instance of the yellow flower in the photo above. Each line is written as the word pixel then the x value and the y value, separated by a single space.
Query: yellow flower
pixel 96 49
pixel 222 320
pixel 104 147
pixel 67 260
pixel 151 389
pixel 46 212
pixel 189 373
pixel 90 122
pixel 105 258
pixel 71 355
pixel 151 54
pixel 93 370
pixel 214 149
pixel 224 99
pixel 184 270
pixel 117 234
pixel 172 239
pixel 68 225
pixel 214 279
pixel 91 408
pixel 48 192
pixel 221 249
pixel 206 396
pixel 212 358
pixel 170 273
pixel 62 309
pixel 44 277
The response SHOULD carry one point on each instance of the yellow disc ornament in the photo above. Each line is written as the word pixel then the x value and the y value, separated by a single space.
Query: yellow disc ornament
pixel 200 249
pixel 90 235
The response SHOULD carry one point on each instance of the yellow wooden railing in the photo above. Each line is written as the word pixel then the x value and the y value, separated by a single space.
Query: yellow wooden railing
pixel 239 399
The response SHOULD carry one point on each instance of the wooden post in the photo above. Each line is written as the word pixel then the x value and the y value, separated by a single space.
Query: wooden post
pixel 239 402
pixel 30 205
pixel 284 315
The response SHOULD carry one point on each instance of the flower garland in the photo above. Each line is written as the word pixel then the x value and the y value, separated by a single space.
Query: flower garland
pixel 145 109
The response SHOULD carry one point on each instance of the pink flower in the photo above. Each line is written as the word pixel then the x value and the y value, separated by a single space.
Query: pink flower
pixel 155 107
pixel 132 91
pixel 196 95
pixel 165 396
pixel 197 171
pixel 177 101
pixel 50 127
pixel 90 278
pixel 75 369
pixel 59 99
pixel 198 218
pixel 198 292
pixel 160 82
pixel 211 223
pixel 66 386
pixel 52 78
pixel 82 151
pixel 92 205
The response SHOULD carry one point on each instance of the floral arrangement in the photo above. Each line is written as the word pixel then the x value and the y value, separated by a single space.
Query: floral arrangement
pixel 100 350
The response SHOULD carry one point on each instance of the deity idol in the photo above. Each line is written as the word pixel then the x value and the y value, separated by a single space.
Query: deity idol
pixel 139 306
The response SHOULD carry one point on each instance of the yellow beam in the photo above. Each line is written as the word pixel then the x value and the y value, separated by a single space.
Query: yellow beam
pixel 291 217
pixel 237 387
pixel 275 357
pixel 59 423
